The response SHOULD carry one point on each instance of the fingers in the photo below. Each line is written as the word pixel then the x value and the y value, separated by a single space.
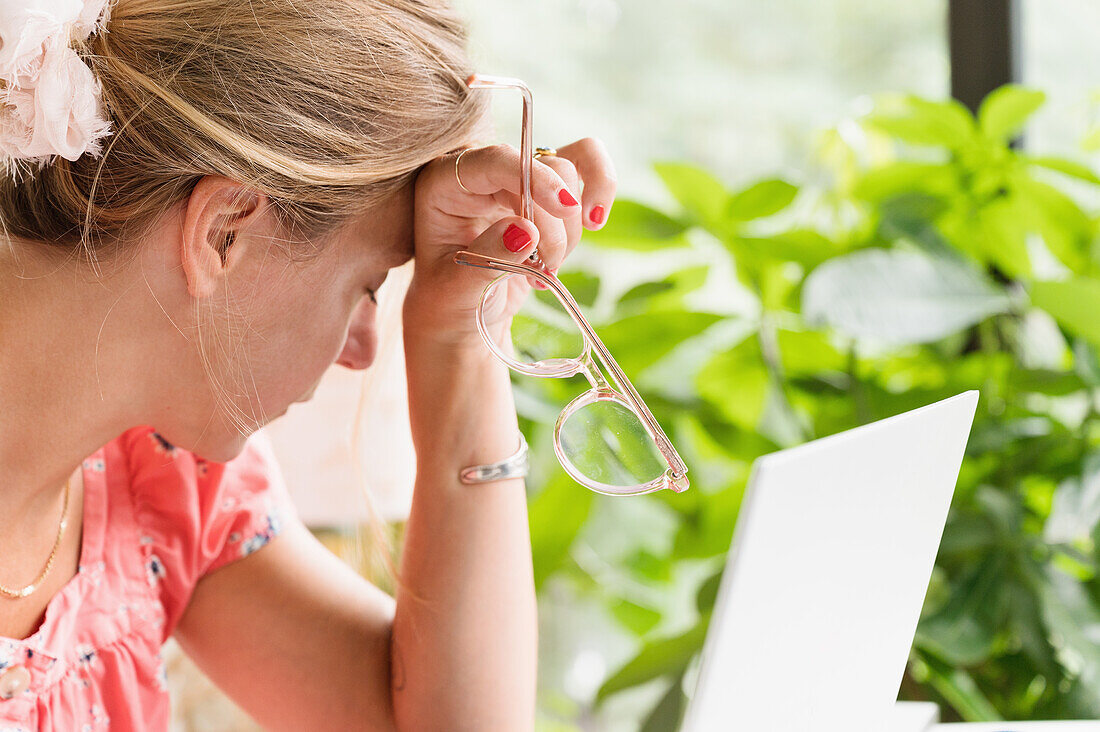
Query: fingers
pixel 553 239
pixel 570 191
pixel 553 242
pixel 511 238
pixel 573 226
pixel 486 170
pixel 595 168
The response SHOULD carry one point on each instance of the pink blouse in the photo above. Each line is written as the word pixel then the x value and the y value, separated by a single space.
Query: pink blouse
pixel 157 518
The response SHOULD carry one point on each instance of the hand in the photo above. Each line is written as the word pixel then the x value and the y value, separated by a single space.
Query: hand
pixel 442 297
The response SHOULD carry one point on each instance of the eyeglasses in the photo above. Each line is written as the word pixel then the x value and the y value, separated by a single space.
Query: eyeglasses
pixel 605 437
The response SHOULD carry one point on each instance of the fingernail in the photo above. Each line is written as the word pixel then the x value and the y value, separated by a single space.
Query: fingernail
pixel 515 238
pixel 596 215
pixel 565 198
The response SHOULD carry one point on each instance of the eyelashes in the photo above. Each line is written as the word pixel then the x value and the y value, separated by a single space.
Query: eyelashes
pixel 370 293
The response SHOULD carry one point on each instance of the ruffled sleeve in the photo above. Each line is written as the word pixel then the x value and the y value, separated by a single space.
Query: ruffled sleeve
pixel 195 516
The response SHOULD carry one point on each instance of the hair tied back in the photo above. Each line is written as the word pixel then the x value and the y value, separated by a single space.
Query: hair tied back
pixel 50 101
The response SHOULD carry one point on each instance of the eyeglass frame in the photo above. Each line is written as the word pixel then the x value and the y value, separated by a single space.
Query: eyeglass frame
pixel 675 478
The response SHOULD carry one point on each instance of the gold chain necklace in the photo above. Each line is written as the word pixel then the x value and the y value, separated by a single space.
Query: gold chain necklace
pixel 49 562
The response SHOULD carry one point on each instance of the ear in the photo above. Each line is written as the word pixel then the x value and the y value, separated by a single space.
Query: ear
pixel 216 211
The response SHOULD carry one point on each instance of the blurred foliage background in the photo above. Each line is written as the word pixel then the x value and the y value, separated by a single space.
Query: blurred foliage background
pixel 938 259
pixel 808 238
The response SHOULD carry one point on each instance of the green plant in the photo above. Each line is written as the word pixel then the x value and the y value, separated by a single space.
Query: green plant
pixel 939 258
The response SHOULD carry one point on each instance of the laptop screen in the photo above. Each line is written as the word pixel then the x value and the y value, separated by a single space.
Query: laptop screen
pixel 826 576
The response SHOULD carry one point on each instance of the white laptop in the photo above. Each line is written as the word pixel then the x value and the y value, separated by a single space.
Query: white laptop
pixel 830 561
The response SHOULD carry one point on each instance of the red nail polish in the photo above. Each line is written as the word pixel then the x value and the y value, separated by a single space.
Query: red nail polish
pixel 565 198
pixel 596 215
pixel 516 238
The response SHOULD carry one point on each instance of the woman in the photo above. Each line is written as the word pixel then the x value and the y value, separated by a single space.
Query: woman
pixel 202 196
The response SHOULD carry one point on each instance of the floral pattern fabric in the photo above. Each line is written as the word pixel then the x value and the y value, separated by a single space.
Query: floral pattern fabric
pixel 157 519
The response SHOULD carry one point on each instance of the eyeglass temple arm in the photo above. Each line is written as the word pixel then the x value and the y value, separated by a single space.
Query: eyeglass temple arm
pixel 473 259
pixel 487 81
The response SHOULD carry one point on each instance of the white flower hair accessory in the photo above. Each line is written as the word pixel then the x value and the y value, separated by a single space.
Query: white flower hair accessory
pixel 50 101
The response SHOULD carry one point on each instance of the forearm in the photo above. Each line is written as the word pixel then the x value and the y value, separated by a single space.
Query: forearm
pixel 465 627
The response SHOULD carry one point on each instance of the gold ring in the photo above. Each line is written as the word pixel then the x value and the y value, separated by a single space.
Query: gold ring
pixel 464 151
pixel 547 151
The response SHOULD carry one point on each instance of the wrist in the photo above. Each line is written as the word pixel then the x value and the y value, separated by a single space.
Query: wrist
pixel 461 407
pixel 441 335
pixel 426 319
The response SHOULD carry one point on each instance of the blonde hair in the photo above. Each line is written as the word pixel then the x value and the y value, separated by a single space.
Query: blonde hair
pixel 324 106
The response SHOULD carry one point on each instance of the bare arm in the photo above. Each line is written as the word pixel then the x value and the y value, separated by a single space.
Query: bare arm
pixel 469 643
pixel 301 641
pixel 465 631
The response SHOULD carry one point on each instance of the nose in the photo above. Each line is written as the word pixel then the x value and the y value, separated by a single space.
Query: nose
pixel 359 346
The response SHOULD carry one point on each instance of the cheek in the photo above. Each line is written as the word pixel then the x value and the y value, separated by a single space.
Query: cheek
pixel 297 350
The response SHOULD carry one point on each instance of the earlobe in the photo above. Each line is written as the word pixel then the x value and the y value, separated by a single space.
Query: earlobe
pixel 217 209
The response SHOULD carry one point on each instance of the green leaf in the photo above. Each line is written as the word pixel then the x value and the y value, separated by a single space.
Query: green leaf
pixel 656 659
pixel 1005 110
pixel 1073 621
pixel 667 293
pixel 967 534
pixel 636 618
pixel 555 517
pixel 906 177
pixel 646 290
pixel 1001 232
pixel 639 341
pixel 1074 303
pixel 666 715
pixel 635 226
pixel 899 297
pixel 963 632
pixel 1075 510
pixel 913 216
pixel 766 198
pixel 735 382
pixel 1025 619
pixel 1065 167
pixel 699 192
pixel 960 691
pixel 807 248
pixel 707 532
pixel 584 287
pixel 922 122
pixel 707 594
pixel 649 566
pixel 1065 228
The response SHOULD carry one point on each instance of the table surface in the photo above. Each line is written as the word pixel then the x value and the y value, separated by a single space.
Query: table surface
pixel 924 717
pixel 1056 726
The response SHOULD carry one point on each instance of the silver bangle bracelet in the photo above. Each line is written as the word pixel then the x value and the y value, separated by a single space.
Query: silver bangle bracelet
pixel 514 466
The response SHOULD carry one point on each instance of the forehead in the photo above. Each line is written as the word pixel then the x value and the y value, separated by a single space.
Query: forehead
pixel 382 235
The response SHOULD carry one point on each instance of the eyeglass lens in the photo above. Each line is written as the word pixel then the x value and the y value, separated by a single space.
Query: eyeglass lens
pixel 605 440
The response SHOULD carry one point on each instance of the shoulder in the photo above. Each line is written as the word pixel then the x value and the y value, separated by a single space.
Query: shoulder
pixel 194 515
pixel 168 478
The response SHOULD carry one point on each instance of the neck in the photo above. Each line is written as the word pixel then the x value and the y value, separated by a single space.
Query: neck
pixel 67 381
